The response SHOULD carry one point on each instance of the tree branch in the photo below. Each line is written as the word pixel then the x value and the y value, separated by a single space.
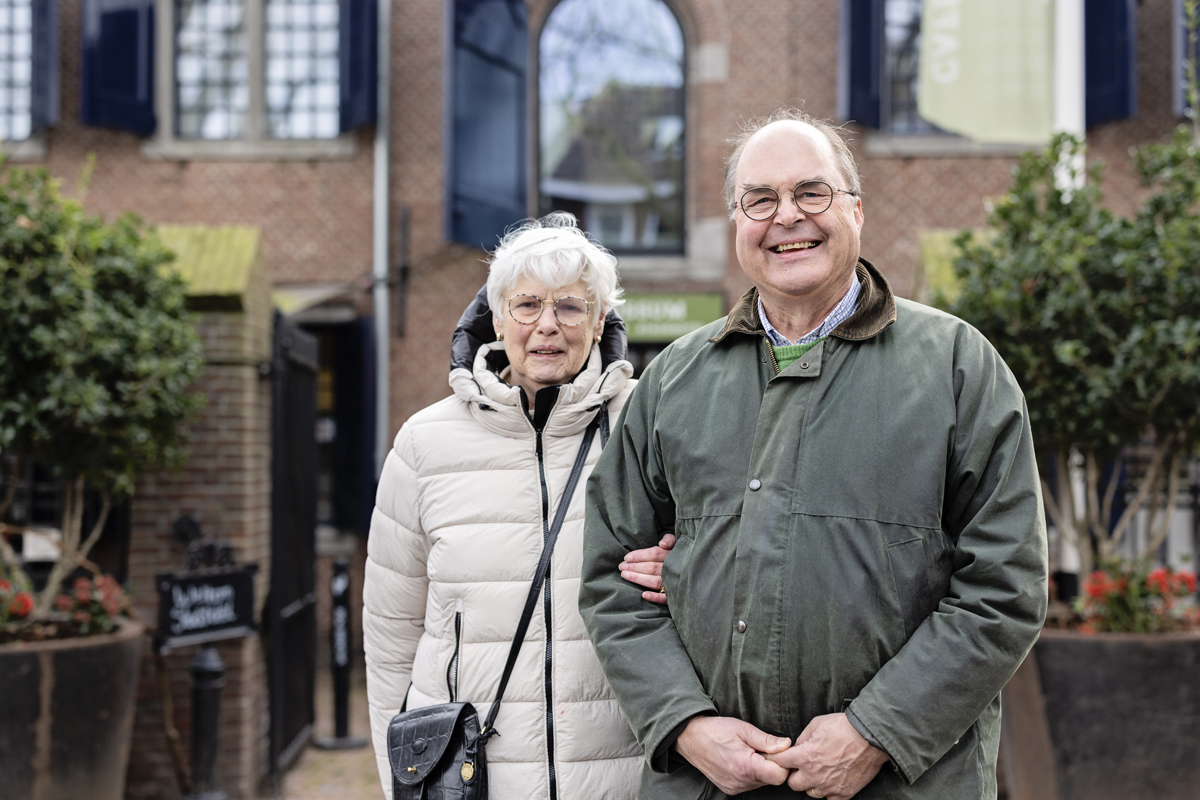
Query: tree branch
pixel 80 555
pixel 11 491
pixel 1110 491
pixel 1157 537
pixel 1151 477
pixel 72 521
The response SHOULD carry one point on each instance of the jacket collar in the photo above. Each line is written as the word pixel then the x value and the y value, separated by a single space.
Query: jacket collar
pixel 498 405
pixel 876 309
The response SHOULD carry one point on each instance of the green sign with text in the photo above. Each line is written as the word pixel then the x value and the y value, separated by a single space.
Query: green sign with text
pixel 666 317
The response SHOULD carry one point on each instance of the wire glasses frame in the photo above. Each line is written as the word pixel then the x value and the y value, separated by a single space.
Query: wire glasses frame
pixel 811 197
pixel 526 309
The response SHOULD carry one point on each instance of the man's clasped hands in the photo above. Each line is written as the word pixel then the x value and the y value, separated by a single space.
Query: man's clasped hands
pixel 830 758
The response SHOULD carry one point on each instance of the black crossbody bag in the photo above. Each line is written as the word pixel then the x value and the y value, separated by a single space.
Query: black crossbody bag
pixel 437 752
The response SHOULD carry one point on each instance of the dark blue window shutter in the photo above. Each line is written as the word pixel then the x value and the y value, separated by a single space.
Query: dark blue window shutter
pixel 866 61
pixel 118 65
pixel 487 162
pixel 358 62
pixel 44 96
pixel 1109 61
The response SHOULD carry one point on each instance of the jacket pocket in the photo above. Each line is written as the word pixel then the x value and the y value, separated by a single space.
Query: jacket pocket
pixel 453 665
pixel 920 571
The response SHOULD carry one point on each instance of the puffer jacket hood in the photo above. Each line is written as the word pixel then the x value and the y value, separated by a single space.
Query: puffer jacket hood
pixel 455 538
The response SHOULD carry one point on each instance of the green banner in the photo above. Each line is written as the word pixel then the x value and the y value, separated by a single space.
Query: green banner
pixel 987 68
pixel 666 317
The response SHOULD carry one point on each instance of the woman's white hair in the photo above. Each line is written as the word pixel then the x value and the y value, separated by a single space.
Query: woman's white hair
pixel 554 252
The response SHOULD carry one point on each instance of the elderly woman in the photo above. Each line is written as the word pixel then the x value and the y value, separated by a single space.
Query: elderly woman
pixel 466 497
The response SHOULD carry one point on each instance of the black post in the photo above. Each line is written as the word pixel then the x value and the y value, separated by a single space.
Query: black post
pixel 208 679
pixel 340 662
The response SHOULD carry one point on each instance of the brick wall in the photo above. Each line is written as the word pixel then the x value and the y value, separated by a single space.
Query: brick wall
pixel 316 223
pixel 316 216
pixel 226 486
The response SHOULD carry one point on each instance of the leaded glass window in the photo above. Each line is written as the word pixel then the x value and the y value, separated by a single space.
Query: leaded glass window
pixel 302 69
pixel 16 69
pixel 611 121
pixel 211 79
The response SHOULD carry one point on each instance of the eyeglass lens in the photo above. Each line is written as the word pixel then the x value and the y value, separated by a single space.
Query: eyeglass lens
pixel 813 197
pixel 526 309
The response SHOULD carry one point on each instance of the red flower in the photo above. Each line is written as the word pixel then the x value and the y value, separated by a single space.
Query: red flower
pixel 5 586
pixel 1087 629
pixel 1185 583
pixel 20 605
pixel 1159 581
pixel 63 603
pixel 1097 585
pixel 83 590
pixel 111 606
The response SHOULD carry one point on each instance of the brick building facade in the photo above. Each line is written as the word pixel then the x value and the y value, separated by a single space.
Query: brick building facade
pixel 311 202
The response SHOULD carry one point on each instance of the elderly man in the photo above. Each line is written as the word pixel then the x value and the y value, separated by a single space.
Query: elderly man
pixel 861 558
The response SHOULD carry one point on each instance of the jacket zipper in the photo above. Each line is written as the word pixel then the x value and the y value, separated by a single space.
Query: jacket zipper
pixel 452 667
pixel 549 620
pixel 771 351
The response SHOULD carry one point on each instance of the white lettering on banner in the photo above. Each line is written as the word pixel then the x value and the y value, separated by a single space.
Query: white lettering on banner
pixel 636 310
pixel 203 606
pixel 943 40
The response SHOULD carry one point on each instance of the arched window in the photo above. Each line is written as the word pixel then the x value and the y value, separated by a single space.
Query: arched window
pixel 611 121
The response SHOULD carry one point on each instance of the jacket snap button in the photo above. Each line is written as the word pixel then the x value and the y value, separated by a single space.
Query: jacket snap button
pixel 741 626
pixel 803 365
pixel 755 485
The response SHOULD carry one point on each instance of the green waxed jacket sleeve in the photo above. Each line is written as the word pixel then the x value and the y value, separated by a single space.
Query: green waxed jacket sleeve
pixel 955 663
pixel 628 506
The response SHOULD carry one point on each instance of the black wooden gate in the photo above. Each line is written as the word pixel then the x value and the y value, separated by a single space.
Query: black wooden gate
pixel 290 616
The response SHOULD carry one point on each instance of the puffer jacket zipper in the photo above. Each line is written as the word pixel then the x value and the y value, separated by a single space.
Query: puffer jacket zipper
pixel 544 402
pixel 452 667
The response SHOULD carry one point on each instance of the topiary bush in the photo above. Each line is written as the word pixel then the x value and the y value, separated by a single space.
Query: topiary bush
pixel 97 352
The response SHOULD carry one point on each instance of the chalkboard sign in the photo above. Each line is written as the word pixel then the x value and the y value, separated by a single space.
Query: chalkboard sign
pixel 205 606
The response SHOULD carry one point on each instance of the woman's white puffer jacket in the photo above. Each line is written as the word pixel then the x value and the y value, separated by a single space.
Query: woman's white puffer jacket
pixel 455 539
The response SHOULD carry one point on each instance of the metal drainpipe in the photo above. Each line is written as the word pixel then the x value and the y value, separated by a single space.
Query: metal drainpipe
pixel 379 268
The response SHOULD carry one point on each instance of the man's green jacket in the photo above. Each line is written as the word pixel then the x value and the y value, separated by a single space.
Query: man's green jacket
pixel 862 532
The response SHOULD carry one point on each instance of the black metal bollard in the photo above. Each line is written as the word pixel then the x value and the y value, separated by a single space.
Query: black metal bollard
pixel 208 679
pixel 340 662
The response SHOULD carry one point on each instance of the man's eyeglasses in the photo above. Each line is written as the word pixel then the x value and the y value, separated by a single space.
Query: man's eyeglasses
pixel 570 311
pixel 813 197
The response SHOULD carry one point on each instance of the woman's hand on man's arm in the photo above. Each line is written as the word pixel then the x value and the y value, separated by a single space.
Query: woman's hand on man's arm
pixel 644 568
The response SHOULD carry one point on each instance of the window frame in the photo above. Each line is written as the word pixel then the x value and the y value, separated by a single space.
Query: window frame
pixel 44 84
pixel 255 144
pixel 861 22
pixel 672 264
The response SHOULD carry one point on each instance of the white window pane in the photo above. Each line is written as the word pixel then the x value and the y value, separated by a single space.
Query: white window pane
pixel 326 15
pixel 22 127
pixel 327 127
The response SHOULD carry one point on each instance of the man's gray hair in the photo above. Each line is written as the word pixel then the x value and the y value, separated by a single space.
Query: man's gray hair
pixel 835 134
pixel 554 252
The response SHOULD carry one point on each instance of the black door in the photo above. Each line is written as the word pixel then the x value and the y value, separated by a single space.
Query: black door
pixel 290 617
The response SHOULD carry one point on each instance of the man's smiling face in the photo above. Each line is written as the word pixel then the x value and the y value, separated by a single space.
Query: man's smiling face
pixel 796 257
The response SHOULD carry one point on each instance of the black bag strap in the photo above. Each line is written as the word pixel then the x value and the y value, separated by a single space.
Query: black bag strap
pixel 599 422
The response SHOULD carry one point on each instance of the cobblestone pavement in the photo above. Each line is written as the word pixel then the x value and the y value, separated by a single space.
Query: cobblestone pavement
pixel 344 774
